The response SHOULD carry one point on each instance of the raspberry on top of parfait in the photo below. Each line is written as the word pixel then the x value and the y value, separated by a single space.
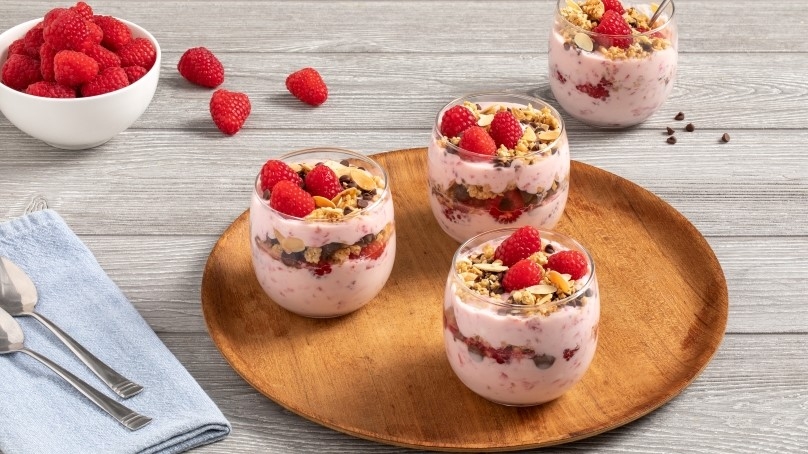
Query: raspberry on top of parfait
pixel 500 131
pixel 621 32
pixel 538 272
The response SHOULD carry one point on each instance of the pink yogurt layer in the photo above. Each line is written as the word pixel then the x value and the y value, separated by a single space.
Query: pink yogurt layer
pixel 530 358
pixel 349 285
pixel 636 87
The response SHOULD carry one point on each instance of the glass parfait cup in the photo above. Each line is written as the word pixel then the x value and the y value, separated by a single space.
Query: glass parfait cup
pixel 470 193
pixel 329 263
pixel 610 81
pixel 519 354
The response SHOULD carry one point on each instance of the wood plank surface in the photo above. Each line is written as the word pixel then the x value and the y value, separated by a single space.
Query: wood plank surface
pixel 152 202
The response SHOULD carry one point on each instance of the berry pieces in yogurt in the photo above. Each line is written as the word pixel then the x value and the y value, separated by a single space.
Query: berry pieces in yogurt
pixel 608 66
pixel 322 231
pixel 496 160
pixel 521 334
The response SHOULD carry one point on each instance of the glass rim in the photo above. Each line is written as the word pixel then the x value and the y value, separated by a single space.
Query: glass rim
pixel 534 101
pixel 648 33
pixel 522 307
pixel 384 194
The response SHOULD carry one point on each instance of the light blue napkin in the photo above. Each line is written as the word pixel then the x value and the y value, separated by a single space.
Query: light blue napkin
pixel 41 413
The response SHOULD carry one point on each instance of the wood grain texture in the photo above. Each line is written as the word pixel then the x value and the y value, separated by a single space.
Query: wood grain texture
pixel 380 373
pixel 152 202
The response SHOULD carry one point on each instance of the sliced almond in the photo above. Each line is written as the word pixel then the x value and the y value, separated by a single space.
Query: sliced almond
pixel 558 280
pixel 544 299
pixel 583 41
pixel 541 289
pixel 338 168
pixel 529 135
pixel 363 179
pixel 379 182
pixel 296 167
pixel 322 202
pixel 306 167
pixel 550 135
pixel 485 120
pixel 347 194
pixel 278 235
pixel 291 245
pixel 574 5
pixel 490 267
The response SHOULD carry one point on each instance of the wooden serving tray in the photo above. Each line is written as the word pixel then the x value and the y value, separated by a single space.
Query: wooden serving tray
pixel 381 373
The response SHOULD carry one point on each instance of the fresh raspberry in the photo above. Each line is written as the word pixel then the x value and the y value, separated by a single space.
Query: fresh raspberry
pixel 67 31
pixel 94 33
pixel 612 23
pixel 51 16
pixel 613 5
pixel 505 129
pixel 33 40
pixel 322 181
pixel 138 52
pixel 568 262
pixel 274 171
pixel 85 10
pixel 20 71
pixel 116 33
pixel 201 67
pixel 476 140
pixel 289 198
pixel 46 55
pixel 522 274
pixel 507 208
pixel 456 120
pixel 17 47
pixel 520 245
pixel 108 80
pixel 599 91
pixel 373 251
pixel 135 73
pixel 229 110
pixel 103 56
pixel 73 68
pixel 50 90
pixel 307 86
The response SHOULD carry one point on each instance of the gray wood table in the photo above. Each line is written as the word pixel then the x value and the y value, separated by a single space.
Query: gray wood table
pixel 151 203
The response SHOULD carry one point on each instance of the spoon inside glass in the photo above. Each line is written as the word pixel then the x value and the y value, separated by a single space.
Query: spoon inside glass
pixel 18 297
pixel 658 12
pixel 11 341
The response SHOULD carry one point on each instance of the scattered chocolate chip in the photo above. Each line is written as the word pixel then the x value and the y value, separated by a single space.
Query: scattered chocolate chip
pixel 329 249
pixel 479 107
pixel 461 193
pixel 566 46
pixel 589 292
pixel 266 194
pixel 679 117
pixel 670 131
pixel 725 138
pixel 549 249
pixel 291 259
pixel 362 203
pixel 345 162
pixel 368 195
pixel 346 211
pixel 367 239
pixel 690 127
pixel 671 140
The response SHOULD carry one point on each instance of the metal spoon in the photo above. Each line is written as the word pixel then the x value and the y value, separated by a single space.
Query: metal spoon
pixel 11 341
pixel 658 12
pixel 18 297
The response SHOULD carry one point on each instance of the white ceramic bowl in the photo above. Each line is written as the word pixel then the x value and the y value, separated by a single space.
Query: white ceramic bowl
pixel 76 124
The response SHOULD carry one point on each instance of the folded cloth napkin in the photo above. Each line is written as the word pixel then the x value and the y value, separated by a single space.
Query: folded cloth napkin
pixel 41 413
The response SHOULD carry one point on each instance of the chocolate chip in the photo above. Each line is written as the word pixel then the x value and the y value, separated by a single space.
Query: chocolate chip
pixel 725 138
pixel 566 46
pixel 549 249
pixel 291 259
pixel 589 292
pixel 544 361
pixel 479 107
pixel 679 117
pixel 690 127
pixel 329 249
pixel 670 131
pixel 362 203
pixel 266 194
pixel 345 162
pixel 461 193
pixel 346 211
pixel 368 195
pixel 367 239
pixel 671 140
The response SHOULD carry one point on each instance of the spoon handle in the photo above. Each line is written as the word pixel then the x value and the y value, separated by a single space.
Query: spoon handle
pixel 129 418
pixel 117 382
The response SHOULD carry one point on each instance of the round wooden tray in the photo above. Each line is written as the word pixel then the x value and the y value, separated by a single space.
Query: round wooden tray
pixel 381 373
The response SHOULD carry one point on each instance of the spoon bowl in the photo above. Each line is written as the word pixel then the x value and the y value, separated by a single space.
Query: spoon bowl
pixel 12 340
pixel 18 297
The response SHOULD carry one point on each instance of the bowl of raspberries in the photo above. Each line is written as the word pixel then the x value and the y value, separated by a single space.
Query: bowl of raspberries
pixel 75 79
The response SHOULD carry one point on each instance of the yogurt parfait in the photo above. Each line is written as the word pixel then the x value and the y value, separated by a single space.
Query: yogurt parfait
pixel 322 233
pixel 497 160
pixel 608 66
pixel 520 315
